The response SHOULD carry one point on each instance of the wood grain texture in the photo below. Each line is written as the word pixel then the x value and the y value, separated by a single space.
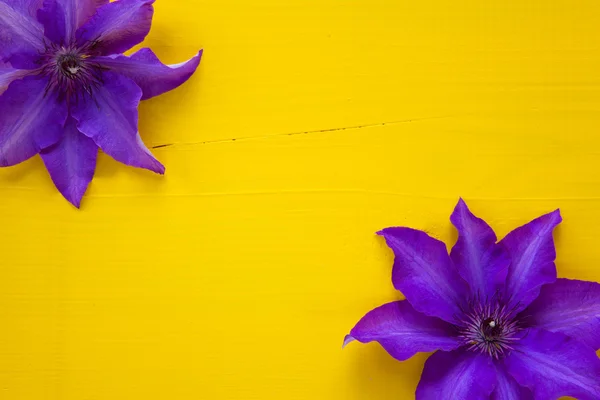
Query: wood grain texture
pixel 310 125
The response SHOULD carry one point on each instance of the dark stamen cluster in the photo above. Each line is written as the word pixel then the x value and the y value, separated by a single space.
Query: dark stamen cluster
pixel 71 71
pixel 490 329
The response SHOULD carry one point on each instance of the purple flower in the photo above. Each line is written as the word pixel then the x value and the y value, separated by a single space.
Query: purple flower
pixel 504 326
pixel 67 90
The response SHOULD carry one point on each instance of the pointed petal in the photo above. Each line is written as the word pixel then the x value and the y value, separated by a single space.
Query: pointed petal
pixel 479 260
pixel 71 163
pixel 111 120
pixel 20 34
pixel 403 332
pixel 347 340
pixel 531 249
pixel 570 307
pixel 62 18
pixel 30 120
pixel 149 73
pixel 507 387
pixel 424 273
pixel 118 26
pixel 553 365
pixel 457 375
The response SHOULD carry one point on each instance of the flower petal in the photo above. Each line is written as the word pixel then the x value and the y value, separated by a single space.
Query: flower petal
pixel 570 307
pixel 553 365
pixel 71 163
pixel 424 273
pixel 20 34
pixel 149 73
pixel 30 120
pixel 507 387
pixel 457 375
pixel 27 7
pixel 531 249
pixel 9 74
pixel 118 26
pixel 479 260
pixel 62 18
pixel 403 332
pixel 111 120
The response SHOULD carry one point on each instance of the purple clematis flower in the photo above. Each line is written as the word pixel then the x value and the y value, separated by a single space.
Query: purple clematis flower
pixel 504 326
pixel 66 89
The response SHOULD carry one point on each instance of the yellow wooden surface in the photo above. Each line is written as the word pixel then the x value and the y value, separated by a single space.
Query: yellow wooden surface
pixel 309 125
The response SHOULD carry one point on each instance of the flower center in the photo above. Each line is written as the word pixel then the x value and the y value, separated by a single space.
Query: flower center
pixel 70 69
pixel 69 64
pixel 490 330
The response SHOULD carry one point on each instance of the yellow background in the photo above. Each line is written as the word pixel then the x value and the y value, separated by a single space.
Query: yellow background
pixel 309 125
